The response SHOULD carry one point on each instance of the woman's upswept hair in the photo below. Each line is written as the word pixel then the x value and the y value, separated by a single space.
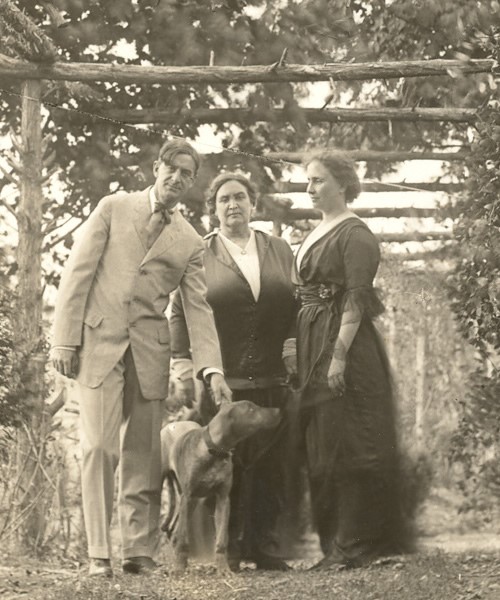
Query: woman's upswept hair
pixel 341 167
pixel 223 178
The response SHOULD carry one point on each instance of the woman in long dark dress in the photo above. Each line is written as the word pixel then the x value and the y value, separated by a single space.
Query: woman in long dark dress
pixel 347 405
pixel 252 297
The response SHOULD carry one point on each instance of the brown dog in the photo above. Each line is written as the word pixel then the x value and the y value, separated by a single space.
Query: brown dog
pixel 199 460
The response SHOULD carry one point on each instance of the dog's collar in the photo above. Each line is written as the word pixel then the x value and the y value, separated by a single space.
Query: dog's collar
pixel 212 447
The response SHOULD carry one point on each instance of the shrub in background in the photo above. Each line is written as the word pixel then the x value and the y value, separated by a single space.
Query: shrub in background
pixel 474 289
pixel 474 447
pixel 12 409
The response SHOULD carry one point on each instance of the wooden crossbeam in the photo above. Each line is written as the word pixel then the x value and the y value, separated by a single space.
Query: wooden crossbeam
pixel 297 214
pixel 415 236
pixel 290 187
pixel 374 155
pixel 436 254
pixel 123 73
pixel 312 115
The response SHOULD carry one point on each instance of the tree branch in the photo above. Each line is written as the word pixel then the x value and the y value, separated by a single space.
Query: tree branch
pixel 56 241
pixel 9 176
pixel 8 207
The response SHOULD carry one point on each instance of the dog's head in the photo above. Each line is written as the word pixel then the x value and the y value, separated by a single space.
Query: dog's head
pixel 247 418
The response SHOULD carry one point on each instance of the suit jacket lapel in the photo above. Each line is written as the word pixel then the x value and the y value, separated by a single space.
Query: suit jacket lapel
pixel 167 237
pixel 142 214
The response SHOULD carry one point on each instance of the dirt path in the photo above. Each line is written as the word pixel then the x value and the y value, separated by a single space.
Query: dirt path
pixel 447 567
pixel 469 542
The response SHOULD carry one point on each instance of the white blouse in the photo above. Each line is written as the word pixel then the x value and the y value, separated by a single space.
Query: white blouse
pixel 247 260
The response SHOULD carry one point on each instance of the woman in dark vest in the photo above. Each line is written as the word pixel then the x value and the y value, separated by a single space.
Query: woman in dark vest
pixel 252 297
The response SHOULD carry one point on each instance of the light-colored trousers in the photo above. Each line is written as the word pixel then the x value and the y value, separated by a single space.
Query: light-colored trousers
pixel 119 426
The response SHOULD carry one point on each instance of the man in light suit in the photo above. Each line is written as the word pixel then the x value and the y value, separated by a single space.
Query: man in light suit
pixel 111 334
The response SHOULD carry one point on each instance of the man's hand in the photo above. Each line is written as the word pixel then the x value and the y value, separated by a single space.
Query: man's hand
pixel 336 376
pixel 184 392
pixel 65 361
pixel 220 390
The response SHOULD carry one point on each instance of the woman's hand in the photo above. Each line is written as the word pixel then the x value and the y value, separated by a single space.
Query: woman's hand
pixel 335 376
pixel 290 363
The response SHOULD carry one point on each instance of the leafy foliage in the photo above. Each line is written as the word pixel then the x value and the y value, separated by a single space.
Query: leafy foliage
pixel 475 445
pixel 410 30
pixel 11 407
pixel 95 155
pixel 474 288
pixel 475 284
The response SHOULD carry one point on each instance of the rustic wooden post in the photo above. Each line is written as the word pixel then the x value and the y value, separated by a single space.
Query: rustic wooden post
pixel 391 336
pixel 277 227
pixel 420 386
pixel 29 337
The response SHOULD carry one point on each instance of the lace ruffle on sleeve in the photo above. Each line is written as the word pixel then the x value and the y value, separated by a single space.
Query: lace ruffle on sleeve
pixel 361 301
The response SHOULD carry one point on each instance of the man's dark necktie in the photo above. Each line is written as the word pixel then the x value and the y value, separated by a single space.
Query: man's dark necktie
pixel 157 222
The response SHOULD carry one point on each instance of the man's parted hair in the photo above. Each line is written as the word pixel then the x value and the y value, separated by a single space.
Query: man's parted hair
pixel 171 148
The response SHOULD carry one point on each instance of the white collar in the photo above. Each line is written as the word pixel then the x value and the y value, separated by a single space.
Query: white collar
pixel 249 249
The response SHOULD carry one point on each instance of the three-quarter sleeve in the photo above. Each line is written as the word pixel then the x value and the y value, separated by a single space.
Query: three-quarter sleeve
pixel 361 259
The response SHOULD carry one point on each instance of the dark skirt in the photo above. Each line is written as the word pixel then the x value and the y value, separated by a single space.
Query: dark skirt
pixel 350 441
pixel 258 492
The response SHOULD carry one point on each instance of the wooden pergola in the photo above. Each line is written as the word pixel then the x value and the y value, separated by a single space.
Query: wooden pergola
pixel 34 58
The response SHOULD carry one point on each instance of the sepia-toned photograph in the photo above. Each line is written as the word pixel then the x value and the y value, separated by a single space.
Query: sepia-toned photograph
pixel 250 299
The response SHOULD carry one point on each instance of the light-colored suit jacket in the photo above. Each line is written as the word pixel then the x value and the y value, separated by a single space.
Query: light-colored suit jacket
pixel 113 293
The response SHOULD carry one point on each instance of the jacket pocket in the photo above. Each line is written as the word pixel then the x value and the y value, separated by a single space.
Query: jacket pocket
pixel 163 336
pixel 93 321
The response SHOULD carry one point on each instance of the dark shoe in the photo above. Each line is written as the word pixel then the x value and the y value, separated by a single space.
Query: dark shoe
pixel 328 563
pixel 234 564
pixel 100 567
pixel 138 565
pixel 335 561
pixel 271 563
